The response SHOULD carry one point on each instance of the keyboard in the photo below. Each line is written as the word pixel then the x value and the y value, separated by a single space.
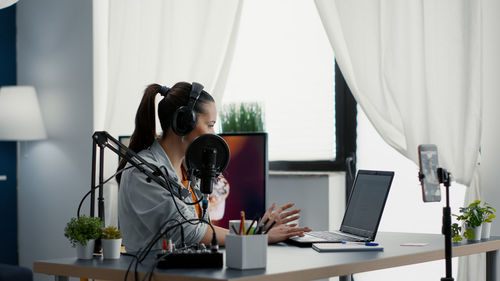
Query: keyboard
pixel 334 237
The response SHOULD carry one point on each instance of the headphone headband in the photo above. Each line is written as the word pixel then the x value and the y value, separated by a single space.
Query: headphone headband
pixel 184 119
pixel 195 94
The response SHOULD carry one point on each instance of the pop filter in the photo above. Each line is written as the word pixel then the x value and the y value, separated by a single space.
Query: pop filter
pixel 206 158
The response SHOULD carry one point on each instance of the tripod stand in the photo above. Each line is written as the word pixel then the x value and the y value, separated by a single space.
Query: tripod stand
pixel 444 178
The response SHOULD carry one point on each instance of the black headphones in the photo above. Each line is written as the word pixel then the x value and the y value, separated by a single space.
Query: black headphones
pixel 184 119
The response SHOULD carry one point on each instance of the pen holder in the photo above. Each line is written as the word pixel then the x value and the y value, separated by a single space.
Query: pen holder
pixel 235 224
pixel 246 251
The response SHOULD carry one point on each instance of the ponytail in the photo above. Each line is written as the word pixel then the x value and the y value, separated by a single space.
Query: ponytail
pixel 145 132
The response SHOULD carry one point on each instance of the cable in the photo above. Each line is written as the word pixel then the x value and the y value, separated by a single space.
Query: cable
pixel 165 176
pixel 150 272
pixel 97 186
pixel 142 253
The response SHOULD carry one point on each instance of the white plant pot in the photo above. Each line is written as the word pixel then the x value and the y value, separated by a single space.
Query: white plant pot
pixel 111 248
pixel 477 233
pixel 486 229
pixel 85 252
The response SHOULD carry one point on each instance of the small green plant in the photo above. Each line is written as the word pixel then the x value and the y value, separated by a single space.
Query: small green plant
pixel 111 232
pixel 488 213
pixel 471 217
pixel 455 232
pixel 245 117
pixel 79 230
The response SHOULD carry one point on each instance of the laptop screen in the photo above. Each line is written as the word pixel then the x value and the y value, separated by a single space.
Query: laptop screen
pixel 366 203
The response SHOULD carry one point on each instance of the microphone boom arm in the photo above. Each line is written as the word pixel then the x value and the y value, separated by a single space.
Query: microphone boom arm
pixel 102 139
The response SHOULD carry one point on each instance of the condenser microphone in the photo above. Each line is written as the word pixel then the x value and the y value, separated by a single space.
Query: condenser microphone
pixel 206 158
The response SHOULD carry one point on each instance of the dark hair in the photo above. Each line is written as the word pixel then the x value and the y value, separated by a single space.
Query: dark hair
pixel 145 128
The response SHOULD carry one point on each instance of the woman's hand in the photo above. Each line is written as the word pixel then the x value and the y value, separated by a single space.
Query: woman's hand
pixel 283 232
pixel 279 216
pixel 280 231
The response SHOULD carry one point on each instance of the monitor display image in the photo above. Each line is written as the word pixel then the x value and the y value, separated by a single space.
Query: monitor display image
pixel 246 177
pixel 242 187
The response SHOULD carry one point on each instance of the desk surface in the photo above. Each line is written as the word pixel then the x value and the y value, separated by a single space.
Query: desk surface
pixel 285 262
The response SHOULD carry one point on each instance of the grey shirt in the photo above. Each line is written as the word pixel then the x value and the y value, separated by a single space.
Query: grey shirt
pixel 144 207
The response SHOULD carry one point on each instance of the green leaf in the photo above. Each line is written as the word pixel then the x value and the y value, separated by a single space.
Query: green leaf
pixel 79 230
pixel 243 117
pixel 469 233
pixel 111 232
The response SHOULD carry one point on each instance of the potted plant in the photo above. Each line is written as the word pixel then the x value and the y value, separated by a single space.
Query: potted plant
pixel 456 232
pixel 82 232
pixel 471 218
pixel 111 242
pixel 488 216
pixel 243 117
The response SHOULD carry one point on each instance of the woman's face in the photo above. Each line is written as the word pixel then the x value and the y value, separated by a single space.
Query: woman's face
pixel 205 123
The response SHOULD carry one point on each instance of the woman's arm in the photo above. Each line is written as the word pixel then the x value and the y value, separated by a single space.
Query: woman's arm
pixel 280 231
pixel 221 235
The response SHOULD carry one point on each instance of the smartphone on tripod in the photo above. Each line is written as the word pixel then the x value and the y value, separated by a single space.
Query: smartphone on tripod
pixel 428 160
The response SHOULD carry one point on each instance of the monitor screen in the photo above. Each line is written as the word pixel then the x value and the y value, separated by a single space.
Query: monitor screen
pixel 367 202
pixel 242 187
pixel 246 175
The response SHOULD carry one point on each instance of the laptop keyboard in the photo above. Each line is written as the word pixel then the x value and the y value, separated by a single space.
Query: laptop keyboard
pixel 332 236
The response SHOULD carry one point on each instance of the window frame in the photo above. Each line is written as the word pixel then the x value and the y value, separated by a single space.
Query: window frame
pixel 345 134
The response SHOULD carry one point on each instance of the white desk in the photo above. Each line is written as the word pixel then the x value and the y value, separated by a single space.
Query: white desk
pixel 289 262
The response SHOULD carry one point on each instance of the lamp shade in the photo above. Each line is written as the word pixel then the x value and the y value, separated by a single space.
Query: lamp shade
pixel 20 116
pixel 6 3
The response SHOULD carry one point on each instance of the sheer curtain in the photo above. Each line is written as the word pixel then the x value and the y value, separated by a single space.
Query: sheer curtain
pixel 137 43
pixel 415 67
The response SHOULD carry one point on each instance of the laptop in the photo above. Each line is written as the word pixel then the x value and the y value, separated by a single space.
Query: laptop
pixel 363 213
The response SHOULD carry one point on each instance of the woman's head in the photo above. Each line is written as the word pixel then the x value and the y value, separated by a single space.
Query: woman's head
pixel 181 106
pixel 202 104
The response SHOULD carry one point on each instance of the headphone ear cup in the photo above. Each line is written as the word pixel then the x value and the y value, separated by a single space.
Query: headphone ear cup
pixel 183 121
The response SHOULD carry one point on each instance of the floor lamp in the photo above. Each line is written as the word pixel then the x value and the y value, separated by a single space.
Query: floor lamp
pixel 7 3
pixel 20 118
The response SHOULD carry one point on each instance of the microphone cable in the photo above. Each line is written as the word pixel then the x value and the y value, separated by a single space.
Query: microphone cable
pixel 142 253
pixel 99 185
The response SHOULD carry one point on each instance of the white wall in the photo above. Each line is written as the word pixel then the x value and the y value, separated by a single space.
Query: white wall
pixel 321 198
pixel 54 53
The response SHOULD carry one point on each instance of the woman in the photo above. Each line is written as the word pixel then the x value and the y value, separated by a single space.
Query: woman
pixel 185 112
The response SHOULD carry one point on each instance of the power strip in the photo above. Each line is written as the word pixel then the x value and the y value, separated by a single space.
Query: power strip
pixel 190 259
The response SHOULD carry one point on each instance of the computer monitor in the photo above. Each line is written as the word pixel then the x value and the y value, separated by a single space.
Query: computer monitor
pixel 242 186
pixel 246 174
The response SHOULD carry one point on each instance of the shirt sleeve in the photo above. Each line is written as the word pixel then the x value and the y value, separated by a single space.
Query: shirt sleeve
pixel 145 207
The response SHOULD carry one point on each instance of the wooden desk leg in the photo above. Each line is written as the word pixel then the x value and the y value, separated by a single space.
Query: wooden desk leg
pixel 345 278
pixel 61 278
pixel 491 266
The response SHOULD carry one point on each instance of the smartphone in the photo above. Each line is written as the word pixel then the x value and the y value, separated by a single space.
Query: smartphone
pixel 428 160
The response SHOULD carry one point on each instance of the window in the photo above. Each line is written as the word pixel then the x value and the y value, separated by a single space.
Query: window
pixel 284 61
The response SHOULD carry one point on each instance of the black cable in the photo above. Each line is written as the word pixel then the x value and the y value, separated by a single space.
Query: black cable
pixel 97 186
pixel 193 203
pixel 142 253
pixel 150 272
pixel 214 236
pixel 165 176
pixel 129 254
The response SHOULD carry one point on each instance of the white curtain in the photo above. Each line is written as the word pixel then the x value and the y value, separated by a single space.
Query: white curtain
pixel 415 67
pixel 137 43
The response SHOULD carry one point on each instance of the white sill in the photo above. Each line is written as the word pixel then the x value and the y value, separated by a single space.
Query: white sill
pixel 304 173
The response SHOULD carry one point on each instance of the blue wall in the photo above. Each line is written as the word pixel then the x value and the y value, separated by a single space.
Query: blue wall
pixel 8 46
pixel 8 155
